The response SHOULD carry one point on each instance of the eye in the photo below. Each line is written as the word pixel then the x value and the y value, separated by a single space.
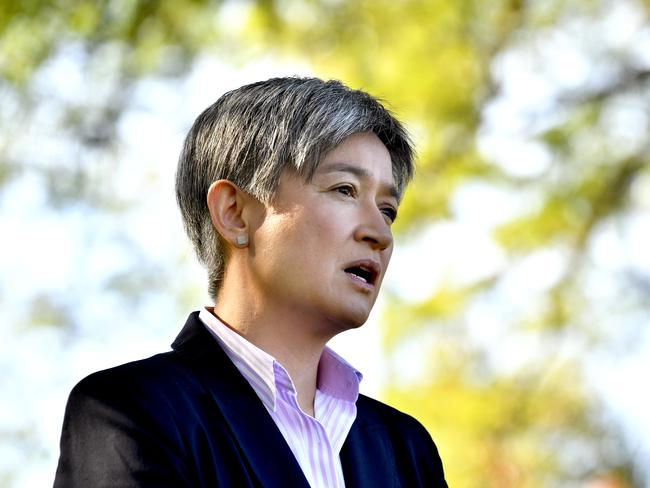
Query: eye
pixel 346 190
pixel 390 213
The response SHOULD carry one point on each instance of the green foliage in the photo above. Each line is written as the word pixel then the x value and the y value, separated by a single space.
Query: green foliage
pixel 508 432
pixel 154 34
pixel 404 318
pixel 432 61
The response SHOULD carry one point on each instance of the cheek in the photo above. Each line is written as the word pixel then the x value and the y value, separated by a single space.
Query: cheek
pixel 319 228
pixel 388 253
pixel 285 243
pixel 385 260
pixel 331 222
pixel 303 236
pixel 272 240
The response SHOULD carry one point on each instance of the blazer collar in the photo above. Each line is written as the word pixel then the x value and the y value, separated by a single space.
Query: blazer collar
pixel 367 456
pixel 259 438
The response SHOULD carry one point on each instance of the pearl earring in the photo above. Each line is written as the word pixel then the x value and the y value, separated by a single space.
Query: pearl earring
pixel 241 240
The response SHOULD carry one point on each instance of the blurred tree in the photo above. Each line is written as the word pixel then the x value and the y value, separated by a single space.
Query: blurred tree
pixel 509 405
pixel 110 45
pixel 539 422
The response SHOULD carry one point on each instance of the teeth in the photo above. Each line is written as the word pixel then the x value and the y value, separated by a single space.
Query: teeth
pixel 360 273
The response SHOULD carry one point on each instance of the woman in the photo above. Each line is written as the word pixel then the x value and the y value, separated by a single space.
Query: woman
pixel 288 189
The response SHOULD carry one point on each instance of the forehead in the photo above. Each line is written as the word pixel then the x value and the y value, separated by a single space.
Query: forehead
pixel 364 156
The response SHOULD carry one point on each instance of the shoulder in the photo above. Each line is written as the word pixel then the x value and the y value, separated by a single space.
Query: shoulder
pixel 412 450
pixel 121 422
pixel 372 412
pixel 134 387
pixel 157 370
pixel 134 400
pixel 402 431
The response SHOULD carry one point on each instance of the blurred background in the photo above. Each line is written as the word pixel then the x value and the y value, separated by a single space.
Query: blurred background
pixel 514 318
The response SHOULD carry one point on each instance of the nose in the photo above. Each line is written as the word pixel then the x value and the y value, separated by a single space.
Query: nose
pixel 374 230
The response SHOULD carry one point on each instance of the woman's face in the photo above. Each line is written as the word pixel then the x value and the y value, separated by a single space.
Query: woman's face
pixel 322 247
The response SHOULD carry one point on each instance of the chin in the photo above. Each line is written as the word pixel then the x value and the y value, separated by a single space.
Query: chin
pixel 350 319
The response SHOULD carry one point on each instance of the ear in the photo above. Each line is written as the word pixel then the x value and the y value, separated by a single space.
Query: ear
pixel 228 204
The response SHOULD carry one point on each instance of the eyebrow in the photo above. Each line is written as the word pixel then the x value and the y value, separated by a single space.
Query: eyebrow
pixel 361 173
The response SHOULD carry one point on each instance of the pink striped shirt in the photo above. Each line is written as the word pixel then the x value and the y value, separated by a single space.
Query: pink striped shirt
pixel 315 441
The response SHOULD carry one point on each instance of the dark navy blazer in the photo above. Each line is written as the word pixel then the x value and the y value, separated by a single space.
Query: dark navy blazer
pixel 188 418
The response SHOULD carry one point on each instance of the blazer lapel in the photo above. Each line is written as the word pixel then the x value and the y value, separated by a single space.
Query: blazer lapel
pixel 259 438
pixel 366 455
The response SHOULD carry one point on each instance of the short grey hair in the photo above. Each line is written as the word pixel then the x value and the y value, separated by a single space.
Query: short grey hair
pixel 252 134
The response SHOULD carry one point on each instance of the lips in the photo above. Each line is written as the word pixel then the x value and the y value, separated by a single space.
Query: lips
pixel 365 270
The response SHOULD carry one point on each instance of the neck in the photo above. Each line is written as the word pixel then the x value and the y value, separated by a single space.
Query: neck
pixel 295 341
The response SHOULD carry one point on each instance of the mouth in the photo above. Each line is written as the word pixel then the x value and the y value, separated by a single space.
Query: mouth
pixel 365 271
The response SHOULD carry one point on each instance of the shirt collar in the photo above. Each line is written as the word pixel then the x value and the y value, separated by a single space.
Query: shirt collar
pixel 336 377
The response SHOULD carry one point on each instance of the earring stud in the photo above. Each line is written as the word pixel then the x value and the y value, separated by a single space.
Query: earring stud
pixel 241 240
